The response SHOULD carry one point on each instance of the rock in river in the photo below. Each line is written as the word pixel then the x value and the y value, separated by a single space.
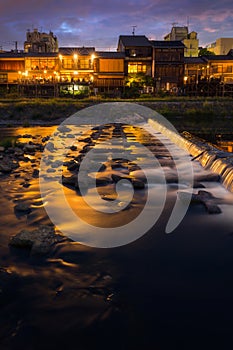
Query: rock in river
pixel 23 208
pixel 40 240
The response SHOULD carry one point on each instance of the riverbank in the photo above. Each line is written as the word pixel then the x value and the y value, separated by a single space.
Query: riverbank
pixel 198 116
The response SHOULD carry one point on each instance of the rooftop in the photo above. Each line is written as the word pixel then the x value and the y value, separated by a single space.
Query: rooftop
pixel 134 40
pixel 194 60
pixel 110 54
pixel 167 44
pixel 82 51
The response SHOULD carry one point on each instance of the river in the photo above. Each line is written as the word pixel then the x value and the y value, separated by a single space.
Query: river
pixel 158 291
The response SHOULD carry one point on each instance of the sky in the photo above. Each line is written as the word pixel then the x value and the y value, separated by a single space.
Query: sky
pixel 99 23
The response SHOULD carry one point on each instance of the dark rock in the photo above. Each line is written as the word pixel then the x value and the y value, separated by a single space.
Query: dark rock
pixel 103 181
pixel 63 128
pixel 209 202
pixel 87 140
pixel 69 180
pixel 202 197
pixel 73 148
pixel 212 177
pixel 5 168
pixel 23 208
pixel 73 165
pixel 30 148
pixel 198 185
pixel 50 147
pixel 137 184
pixel 45 139
pixel 39 241
pixel 56 164
pixel 117 178
pixel 51 170
pixel 35 173
pixel 26 184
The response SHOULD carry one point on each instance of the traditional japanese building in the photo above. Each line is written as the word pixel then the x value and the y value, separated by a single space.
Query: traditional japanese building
pixel 109 71
pixel 138 54
pixel 151 65
pixel 168 64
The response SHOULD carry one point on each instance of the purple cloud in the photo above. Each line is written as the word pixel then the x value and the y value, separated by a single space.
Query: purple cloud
pixel 100 22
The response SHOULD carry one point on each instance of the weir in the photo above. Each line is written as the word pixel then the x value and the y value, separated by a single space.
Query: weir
pixel 209 156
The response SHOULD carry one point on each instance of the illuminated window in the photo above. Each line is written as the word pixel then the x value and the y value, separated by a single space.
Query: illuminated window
pixel 137 67
pixel 84 63
pixel 3 78
pixel 68 63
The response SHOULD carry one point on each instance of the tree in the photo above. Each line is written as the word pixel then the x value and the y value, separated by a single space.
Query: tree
pixel 139 80
pixel 205 52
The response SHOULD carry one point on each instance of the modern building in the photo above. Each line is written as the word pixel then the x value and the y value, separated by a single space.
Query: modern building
pixel 190 40
pixel 221 46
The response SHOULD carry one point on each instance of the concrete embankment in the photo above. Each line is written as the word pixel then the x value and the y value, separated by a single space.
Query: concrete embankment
pixel 209 156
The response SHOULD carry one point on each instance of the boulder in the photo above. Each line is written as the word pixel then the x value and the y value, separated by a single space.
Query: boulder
pixel 63 128
pixel 39 241
pixel 30 148
pixel 5 168
pixel 202 197
pixel 22 208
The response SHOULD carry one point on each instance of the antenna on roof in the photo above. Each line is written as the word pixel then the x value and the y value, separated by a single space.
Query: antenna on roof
pixel 133 31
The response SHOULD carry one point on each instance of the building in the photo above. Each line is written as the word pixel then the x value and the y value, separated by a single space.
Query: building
pixel 209 68
pixel 12 64
pixel 210 75
pixel 109 72
pixel 76 64
pixel 76 70
pixel 221 46
pixel 168 64
pixel 138 54
pixel 150 66
pixel 190 40
pixel 37 42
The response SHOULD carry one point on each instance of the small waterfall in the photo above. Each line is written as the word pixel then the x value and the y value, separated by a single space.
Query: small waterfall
pixel 210 157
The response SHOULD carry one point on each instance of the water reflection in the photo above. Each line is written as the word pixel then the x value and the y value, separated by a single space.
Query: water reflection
pixel 226 145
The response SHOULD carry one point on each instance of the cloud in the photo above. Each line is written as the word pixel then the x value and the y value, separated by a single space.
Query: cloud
pixel 101 21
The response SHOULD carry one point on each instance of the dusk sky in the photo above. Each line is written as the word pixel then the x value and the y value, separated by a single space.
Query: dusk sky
pixel 98 23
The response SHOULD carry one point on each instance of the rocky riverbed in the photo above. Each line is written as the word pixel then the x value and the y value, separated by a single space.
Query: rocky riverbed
pixel 56 292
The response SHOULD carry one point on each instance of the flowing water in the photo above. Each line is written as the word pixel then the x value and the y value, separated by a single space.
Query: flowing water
pixel 158 291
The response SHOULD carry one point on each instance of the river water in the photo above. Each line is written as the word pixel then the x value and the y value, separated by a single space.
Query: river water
pixel 159 291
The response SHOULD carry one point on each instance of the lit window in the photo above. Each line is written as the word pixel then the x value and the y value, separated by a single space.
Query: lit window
pixel 136 67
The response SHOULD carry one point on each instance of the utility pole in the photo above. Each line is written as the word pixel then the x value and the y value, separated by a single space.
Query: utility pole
pixel 133 31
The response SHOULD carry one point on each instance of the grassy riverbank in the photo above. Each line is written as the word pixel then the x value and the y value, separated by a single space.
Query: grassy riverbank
pixel 198 115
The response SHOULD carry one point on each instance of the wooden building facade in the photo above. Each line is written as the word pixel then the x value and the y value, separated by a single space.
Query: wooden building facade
pixel 83 70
